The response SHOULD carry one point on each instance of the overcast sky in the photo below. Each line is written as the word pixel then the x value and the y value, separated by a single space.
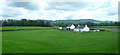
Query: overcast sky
pixel 60 10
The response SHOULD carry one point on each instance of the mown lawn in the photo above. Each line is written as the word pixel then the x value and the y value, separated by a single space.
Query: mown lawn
pixel 59 41
pixel 21 27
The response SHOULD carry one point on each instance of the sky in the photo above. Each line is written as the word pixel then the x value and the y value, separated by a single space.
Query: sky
pixel 105 10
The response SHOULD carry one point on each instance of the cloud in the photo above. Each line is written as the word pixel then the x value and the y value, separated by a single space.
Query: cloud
pixel 113 11
pixel 10 12
pixel 113 8
pixel 7 12
pixel 99 10
pixel 71 6
pixel 26 5
pixel 66 6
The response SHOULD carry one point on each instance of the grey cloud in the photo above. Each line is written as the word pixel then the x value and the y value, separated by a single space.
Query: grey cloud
pixel 112 11
pixel 67 6
pixel 8 15
pixel 26 5
pixel 10 12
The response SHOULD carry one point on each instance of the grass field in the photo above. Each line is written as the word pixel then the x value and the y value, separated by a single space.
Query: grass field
pixel 59 41
pixel 108 28
pixel 21 27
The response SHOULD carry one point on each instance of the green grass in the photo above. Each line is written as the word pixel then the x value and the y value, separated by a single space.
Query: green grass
pixel 58 41
pixel 0 42
pixel 21 27
pixel 108 28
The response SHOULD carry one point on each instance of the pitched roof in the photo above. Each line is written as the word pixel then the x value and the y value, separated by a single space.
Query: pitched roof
pixel 69 25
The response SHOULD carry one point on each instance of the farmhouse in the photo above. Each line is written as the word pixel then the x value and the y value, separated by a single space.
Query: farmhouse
pixel 81 29
pixel 76 29
pixel 86 29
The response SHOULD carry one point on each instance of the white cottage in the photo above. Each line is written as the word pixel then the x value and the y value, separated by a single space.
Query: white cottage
pixel 81 29
pixel 86 29
pixel 71 27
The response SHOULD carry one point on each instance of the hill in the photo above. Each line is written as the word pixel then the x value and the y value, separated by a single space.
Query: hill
pixel 78 21
pixel 75 21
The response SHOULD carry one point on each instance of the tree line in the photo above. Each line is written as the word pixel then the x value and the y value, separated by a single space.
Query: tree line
pixel 25 22
pixel 42 23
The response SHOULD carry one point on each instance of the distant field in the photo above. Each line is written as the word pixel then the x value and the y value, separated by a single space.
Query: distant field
pixel 21 27
pixel 108 28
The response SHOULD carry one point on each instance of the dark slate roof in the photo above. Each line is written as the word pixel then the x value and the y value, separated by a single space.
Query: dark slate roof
pixel 80 26
pixel 69 25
